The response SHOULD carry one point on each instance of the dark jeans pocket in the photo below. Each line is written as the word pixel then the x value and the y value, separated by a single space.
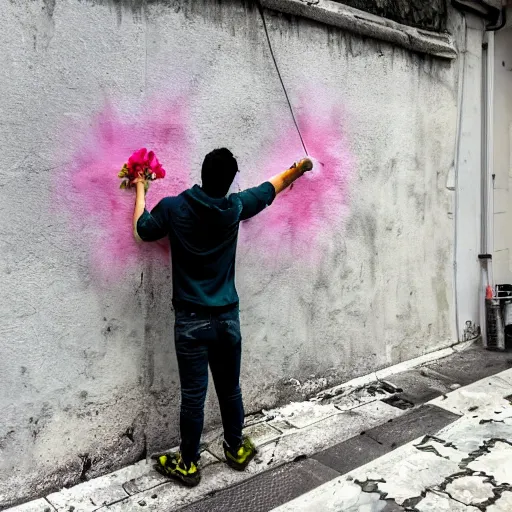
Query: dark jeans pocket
pixel 229 326
pixel 191 326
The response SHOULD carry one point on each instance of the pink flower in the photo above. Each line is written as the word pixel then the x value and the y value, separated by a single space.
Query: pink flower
pixel 139 157
pixel 152 160
pixel 142 164
pixel 159 171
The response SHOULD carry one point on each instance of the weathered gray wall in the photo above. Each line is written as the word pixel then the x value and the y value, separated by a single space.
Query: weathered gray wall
pixel 88 377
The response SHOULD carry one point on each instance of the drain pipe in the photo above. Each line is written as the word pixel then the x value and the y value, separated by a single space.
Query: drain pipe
pixel 460 102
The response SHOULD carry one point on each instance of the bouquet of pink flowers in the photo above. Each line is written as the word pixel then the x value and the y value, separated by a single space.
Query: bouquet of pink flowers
pixel 142 164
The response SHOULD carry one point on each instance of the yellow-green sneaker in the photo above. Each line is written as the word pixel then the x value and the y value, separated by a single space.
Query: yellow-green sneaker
pixel 239 459
pixel 173 466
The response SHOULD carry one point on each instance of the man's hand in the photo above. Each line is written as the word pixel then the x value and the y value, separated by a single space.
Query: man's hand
pixel 138 180
pixel 306 164
pixel 286 178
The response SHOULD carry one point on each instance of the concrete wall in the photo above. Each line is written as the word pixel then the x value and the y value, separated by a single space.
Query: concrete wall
pixel 502 156
pixel 468 204
pixel 349 272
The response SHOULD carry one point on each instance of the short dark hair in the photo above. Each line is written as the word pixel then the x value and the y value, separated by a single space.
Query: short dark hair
pixel 218 172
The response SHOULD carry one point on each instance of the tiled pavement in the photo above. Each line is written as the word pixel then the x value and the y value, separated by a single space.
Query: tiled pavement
pixel 464 466
pixel 383 426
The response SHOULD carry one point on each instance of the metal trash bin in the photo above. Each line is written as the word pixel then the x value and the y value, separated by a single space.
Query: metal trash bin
pixel 504 293
pixel 495 326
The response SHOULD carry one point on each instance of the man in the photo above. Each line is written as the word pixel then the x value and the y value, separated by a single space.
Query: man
pixel 202 226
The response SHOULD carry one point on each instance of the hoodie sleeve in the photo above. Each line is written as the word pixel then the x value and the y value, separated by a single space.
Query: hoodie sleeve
pixel 155 225
pixel 256 199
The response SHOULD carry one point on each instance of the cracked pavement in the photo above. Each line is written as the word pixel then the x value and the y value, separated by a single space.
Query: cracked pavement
pixel 465 466
pixel 430 438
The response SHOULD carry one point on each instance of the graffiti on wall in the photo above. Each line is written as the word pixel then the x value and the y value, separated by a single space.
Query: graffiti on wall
pixel 318 202
pixel 100 213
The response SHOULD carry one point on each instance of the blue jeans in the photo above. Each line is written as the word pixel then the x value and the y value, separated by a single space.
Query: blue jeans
pixel 204 338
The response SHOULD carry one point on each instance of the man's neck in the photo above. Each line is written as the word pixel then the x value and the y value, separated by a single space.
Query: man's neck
pixel 211 195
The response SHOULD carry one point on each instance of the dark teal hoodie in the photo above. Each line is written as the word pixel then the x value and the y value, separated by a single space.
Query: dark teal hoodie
pixel 203 233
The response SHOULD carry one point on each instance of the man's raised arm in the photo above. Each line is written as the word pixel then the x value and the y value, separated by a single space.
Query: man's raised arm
pixel 284 179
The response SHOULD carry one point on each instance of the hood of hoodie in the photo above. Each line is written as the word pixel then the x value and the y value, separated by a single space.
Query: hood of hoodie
pixel 223 212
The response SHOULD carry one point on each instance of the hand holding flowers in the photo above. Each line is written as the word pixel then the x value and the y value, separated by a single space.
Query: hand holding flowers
pixel 142 166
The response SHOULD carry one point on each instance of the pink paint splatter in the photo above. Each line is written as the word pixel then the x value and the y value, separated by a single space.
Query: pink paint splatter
pixel 100 214
pixel 88 188
pixel 318 202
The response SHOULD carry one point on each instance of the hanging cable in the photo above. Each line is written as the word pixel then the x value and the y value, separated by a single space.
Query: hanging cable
pixel 262 14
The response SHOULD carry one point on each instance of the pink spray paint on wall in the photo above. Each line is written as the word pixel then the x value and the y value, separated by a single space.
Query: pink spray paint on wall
pixel 316 203
pixel 99 212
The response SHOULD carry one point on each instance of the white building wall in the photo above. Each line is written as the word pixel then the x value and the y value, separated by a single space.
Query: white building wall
pixel 502 157
pixel 468 183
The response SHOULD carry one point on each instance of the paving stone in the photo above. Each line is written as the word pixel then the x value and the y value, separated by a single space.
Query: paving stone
pixel 329 432
pixel 437 502
pixel 351 453
pixel 471 365
pixel 487 394
pixel 469 433
pixel 425 420
pixel 337 495
pixel 207 459
pixel 406 472
pixel 497 463
pixel 91 495
pixel 417 362
pixel 144 482
pixel 34 506
pixel 391 506
pixel 253 419
pixel 260 433
pixel 351 402
pixel 268 490
pixel 333 430
pixel 506 375
pixel 419 388
pixel 375 413
pixel 358 397
pixel 471 490
pixel 504 503
pixel 303 414
pixel 282 425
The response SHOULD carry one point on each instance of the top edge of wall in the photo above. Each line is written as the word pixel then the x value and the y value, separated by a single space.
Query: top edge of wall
pixel 437 44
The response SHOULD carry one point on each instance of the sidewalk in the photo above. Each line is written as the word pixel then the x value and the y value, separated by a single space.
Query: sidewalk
pixel 465 466
pixel 307 444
